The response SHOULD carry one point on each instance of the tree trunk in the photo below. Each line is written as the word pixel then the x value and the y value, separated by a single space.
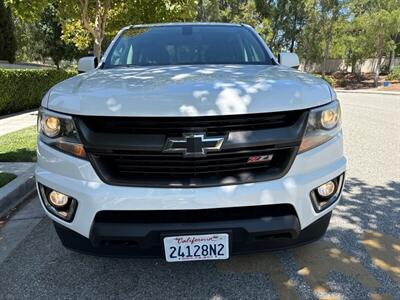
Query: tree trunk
pixel 201 14
pixel 326 50
pixel 293 33
pixel 97 47
pixel 353 65
pixel 292 45
pixel 391 60
pixel 378 68
pixel 326 54
pixel 98 28
pixel 323 71
pixel 305 65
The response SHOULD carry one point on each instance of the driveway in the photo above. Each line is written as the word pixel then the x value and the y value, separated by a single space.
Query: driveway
pixel 358 258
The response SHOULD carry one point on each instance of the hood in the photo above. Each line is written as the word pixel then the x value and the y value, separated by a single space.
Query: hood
pixel 188 91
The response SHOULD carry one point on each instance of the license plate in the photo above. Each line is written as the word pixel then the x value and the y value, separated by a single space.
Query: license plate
pixel 196 247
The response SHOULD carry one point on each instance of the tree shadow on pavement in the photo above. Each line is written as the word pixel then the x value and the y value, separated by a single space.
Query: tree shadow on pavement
pixel 358 258
pixel 371 207
pixel 365 226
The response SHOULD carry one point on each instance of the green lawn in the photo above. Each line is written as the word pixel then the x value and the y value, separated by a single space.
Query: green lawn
pixel 6 178
pixel 19 146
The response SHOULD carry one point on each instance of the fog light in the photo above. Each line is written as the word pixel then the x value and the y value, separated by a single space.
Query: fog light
pixel 58 204
pixel 58 199
pixel 326 194
pixel 327 189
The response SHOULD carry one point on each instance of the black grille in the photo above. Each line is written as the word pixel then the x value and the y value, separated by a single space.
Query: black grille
pixel 193 216
pixel 173 170
pixel 129 151
pixel 176 125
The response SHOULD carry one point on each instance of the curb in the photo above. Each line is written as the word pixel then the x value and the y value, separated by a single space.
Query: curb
pixel 368 92
pixel 18 113
pixel 17 191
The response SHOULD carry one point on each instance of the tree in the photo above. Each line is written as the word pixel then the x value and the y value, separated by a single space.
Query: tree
pixel 320 31
pixel 208 10
pixel 288 18
pixel 293 21
pixel 309 44
pixel 8 45
pixel 105 16
pixel 349 43
pixel 154 11
pixel 381 24
pixel 93 17
pixel 93 20
pixel 328 12
pixel 379 27
pixel 243 11
pixel 47 34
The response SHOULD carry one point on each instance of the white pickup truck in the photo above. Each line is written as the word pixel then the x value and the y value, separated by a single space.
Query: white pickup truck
pixel 189 141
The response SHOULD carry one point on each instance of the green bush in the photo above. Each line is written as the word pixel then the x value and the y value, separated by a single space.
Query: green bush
pixel 394 74
pixel 24 89
pixel 327 78
pixel 8 44
pixel 342 82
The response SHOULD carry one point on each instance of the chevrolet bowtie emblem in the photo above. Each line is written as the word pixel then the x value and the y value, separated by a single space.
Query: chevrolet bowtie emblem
pixel 194 144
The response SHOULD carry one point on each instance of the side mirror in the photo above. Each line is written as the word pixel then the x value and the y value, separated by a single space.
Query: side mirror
pixel 289 59
pixel 87 63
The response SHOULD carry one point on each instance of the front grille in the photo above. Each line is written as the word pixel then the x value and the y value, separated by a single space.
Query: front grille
pixel 228 167
pixel 194 216
pixel 129 151
pixel 177 125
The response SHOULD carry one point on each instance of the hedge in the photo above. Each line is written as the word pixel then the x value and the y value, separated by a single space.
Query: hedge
pixel 24 89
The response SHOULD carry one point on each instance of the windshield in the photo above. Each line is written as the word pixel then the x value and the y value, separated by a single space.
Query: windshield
pixel 187 45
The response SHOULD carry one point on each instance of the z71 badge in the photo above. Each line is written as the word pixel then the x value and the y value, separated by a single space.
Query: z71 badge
pixel 260 158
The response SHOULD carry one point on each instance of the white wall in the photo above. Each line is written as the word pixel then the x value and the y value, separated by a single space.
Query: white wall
pixel 334 65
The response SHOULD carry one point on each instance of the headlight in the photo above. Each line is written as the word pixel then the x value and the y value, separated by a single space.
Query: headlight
pixel 51 126
pixel 323 124
pixel 59 131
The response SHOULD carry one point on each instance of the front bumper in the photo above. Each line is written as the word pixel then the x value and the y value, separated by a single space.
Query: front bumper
pixel 77 178
pixel 146 240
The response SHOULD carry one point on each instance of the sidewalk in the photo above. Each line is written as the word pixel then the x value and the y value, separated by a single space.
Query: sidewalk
pixel 19 189
pixel 18 121
pixel 368 91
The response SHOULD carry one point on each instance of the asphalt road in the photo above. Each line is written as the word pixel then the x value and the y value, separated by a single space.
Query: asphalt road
pixel 359 258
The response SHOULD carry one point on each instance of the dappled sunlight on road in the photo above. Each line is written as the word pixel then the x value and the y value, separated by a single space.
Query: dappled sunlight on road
pixel 366 206
pixel 264 263
pixel 384 251
pixel 361 250
pixel 316 262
